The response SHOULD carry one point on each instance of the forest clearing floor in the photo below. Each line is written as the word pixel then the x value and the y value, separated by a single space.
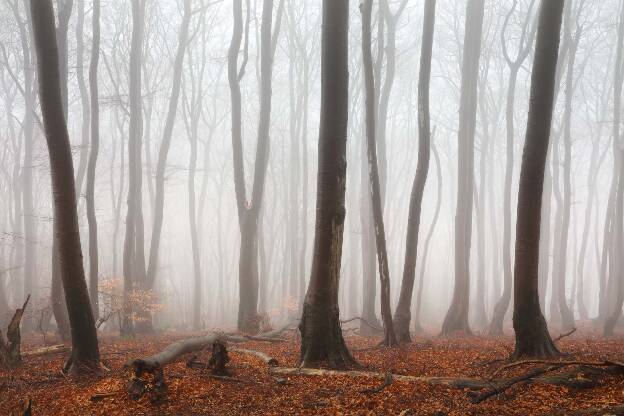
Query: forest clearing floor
pixel 253 390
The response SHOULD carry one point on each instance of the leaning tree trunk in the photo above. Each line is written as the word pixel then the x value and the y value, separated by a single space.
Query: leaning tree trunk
pixel 532 337
pixel 85 353
pixel 93 155
pixel 457 315
pixel 321 335
pixel 402 315
pixel 373 173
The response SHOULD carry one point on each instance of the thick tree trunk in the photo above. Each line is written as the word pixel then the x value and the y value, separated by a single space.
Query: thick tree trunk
pixel 93 155
pixel 321 335
pixel 85 352
pixel 532 337
pixel 457 315
pixel 402 315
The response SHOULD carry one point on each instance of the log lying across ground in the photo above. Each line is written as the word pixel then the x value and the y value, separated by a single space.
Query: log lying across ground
pixel 52 349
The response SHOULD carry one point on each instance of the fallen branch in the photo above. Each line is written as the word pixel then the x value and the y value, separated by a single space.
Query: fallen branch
pixel 53 349
pixel 358 318
pixel 101 396
pixel 501 386
pixel 267 359
pixel 386 383
pixel 567 334
pixel 462 383
pixel 559 363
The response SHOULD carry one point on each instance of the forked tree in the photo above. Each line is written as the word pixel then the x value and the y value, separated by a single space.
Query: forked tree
pixel 321 335
pixel 85 352
pixel 402 315
pixel 532 337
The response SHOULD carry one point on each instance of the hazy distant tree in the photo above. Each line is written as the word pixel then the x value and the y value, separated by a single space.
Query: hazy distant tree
pixel 83 154
pixel 402 315
pixel 321 335
pixel 93 155
pixel 85 353
pixel 614 312
pixel 163 152
pixel 457 315
pixel 249 210
pixel 515 64
pixel 373 174
pixel 134 254
pixel 532 337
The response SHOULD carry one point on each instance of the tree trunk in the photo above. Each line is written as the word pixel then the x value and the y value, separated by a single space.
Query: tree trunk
pixel 402 315
pixel 133 249
pixel 532 337
pixel 93 155
pixel 457 315
pixel 617 226
pixel 165 144
pixel 496 325
pixel 321 335
pixel 84 98
pixel 85 353
pixel 434 221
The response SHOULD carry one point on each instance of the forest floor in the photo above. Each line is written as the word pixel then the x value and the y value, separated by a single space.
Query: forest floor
pixel 254 391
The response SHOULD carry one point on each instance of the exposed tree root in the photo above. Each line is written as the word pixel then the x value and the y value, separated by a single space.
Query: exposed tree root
pixel 567 334
pixel 386 383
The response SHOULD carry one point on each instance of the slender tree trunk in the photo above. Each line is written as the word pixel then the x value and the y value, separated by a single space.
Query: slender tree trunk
pixel 85 353
pixel 617 226
pixel 321 335
pixel 373 172
pixel 402 315
pixel 496 325
pixel 84 98
pixel 93 155
pixel 532 337
pixel 159 200
pixel 133 271
pixel 457 315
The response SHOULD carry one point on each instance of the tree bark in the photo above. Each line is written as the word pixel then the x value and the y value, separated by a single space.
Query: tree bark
pixel 402 315
pixel 321 335
pixel 85 353
pixel 532 337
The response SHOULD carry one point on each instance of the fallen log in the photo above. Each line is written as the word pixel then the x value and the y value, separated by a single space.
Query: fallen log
pixel 52 349
pixel 386 383
pixel 499 387
pixel 267 359
pixel 461 383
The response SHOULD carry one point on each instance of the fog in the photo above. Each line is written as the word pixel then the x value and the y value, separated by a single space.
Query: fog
pixel 201 135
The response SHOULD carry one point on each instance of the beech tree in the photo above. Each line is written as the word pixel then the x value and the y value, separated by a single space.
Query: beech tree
pixel 321 334
pixel 457 315
pixel 85 352
pixel 532 337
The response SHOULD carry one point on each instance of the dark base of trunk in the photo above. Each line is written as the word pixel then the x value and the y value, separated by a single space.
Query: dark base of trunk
pixel 250 324
pixel 455 323
pixel 144 325
pixel 370 327
pixel 82 365
pixel 321 338
pixel 401 328
pixel 127 328
pixel 533 339
pixel 610 323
